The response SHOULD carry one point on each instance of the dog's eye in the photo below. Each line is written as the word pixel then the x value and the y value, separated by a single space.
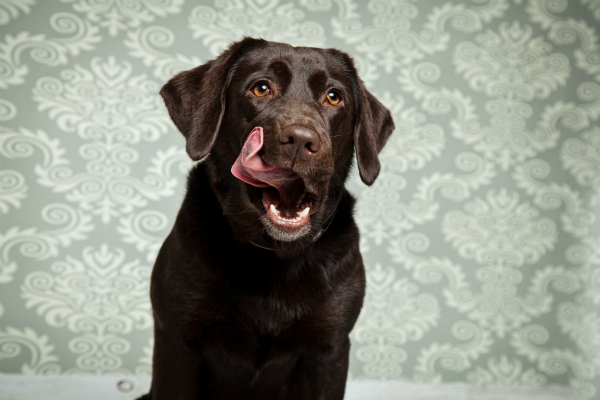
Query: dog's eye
pixel 260 90
pixel 333 97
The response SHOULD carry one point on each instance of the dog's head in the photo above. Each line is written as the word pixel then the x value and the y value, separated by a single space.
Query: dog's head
pixel 284 120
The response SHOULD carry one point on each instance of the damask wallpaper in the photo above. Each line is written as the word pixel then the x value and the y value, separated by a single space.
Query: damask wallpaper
pixel 481 236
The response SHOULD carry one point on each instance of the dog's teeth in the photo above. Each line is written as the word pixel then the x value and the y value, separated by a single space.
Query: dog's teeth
pixel 275 211
pixel 297 218
pixel 303 213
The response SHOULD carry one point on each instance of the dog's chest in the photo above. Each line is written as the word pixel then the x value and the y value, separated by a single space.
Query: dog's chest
pixel 263 331
pixel 292 312
pixel 286 315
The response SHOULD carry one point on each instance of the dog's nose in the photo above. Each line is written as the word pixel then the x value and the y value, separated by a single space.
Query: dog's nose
pixel 300 141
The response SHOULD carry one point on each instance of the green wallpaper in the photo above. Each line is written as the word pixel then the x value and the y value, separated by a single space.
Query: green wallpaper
pixel 481 236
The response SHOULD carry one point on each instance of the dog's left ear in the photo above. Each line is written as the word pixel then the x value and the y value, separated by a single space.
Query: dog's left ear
pixel 374 125
pixel 195 98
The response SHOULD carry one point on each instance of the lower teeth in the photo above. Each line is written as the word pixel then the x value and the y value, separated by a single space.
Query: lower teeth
pixel 299 215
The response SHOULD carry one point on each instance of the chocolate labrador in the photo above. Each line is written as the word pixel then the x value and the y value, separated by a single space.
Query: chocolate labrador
pixel 258 285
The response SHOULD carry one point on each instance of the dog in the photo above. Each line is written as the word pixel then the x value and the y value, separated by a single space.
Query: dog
pixel 259 283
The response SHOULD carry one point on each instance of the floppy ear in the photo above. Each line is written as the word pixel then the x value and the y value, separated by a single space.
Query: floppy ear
pixel 195 98
pixel 374 125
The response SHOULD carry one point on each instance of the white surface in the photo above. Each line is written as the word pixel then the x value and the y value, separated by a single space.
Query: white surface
pixel 22 387
pixel 369 390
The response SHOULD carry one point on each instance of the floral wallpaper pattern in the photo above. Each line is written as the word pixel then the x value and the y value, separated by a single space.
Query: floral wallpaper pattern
pixel 481 236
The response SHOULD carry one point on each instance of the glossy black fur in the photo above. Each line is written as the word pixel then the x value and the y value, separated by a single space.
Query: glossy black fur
pixel 234 321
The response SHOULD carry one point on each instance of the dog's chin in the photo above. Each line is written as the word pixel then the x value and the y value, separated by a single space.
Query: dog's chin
pixel 285 231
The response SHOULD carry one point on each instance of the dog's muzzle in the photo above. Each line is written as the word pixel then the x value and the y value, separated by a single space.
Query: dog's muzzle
pixel 285 198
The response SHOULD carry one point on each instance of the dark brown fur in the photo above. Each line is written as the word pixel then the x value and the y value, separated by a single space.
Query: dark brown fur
pixel 234 321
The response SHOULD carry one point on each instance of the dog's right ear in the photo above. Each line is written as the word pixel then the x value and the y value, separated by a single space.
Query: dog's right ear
pixel 195 98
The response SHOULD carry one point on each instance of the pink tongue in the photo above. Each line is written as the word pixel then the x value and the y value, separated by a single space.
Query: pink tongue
pixel 251 168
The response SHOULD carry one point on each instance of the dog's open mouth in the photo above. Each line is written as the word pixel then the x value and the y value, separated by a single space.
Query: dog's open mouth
pixel 286 201
pixel 290 208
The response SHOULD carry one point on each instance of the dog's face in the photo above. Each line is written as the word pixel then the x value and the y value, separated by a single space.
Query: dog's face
pixel 291 117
